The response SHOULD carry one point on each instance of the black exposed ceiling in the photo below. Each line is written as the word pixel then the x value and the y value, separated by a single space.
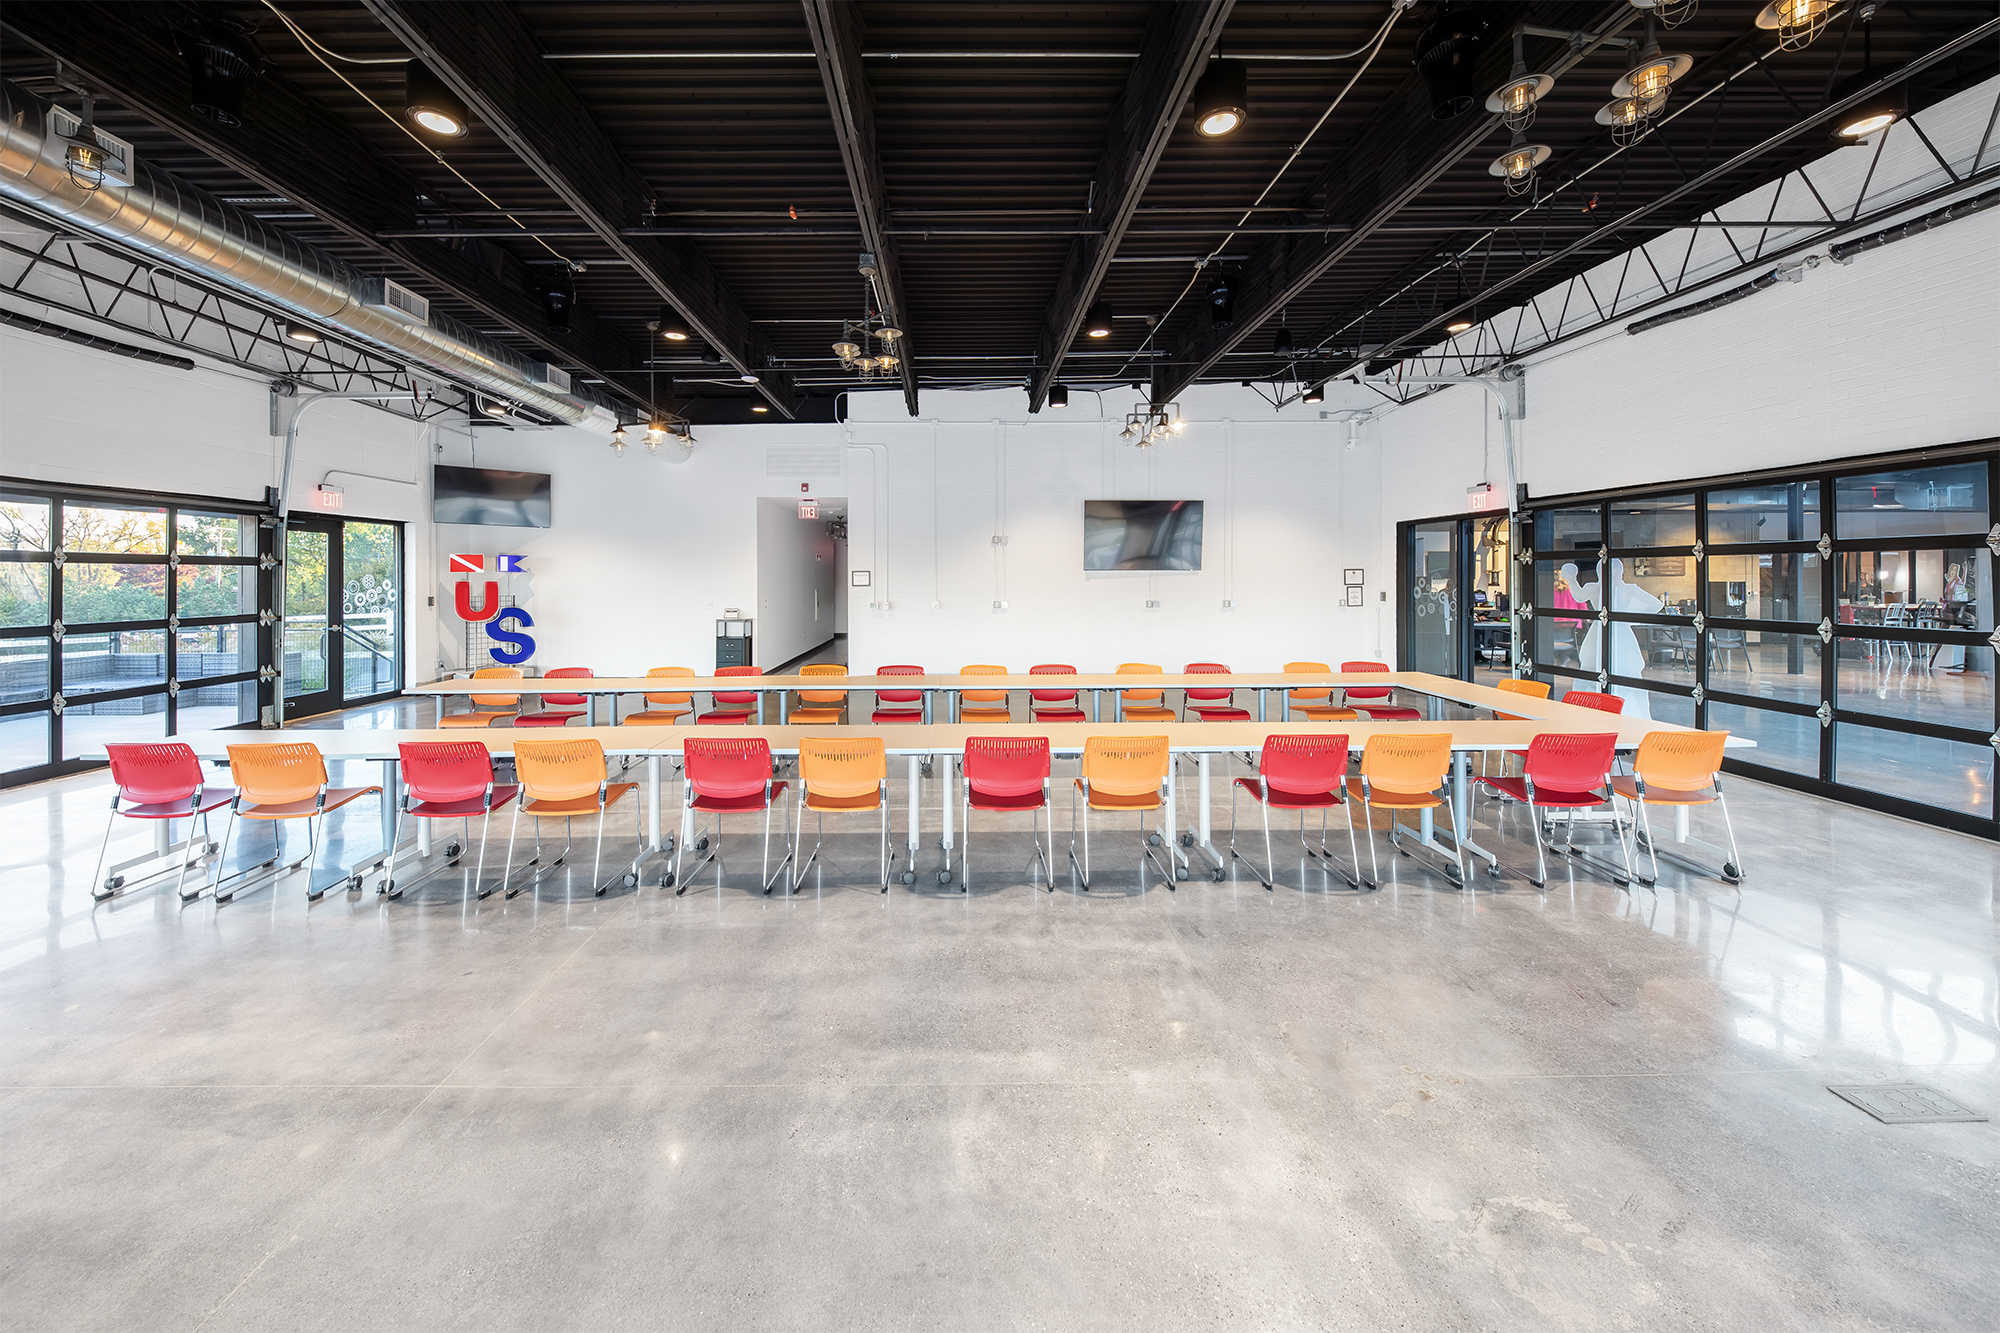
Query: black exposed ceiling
pixel 992 126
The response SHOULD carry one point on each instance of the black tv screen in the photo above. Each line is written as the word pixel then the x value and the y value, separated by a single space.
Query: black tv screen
pixel 1142 534
pixel 491 497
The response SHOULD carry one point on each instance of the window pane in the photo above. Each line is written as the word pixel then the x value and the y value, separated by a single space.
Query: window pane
pixel 1765 665
pixel 24 741
pixel 1764 587
pixel 1570 582
pixel 1668 521
pixel 1675 708
pixel 96 593
pixel 217 590
pixel 24 594
pixel 1951 775
pixel 1568 530
pixel 368 607
pixel 24 524
pixel 306 576
pixel 1654 652
pixel 209 707
pixel 1560 642
pixel 97 662
pixel 1654 585
pixel 214 650
pixel 88 728
pixel 1771 512
pixel 1784 740
pixel 1932 501
pixel 215 534
pixel 1919 588
pixel 24 670
pixel 125 531
pixel 1897 679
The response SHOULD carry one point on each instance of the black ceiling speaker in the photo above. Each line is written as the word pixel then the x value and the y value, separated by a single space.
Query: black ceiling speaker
pixel 1447 52
pixel 1221 303
pixel 709 356
pixel 558 298
pixel 1283 348
pixel 222 63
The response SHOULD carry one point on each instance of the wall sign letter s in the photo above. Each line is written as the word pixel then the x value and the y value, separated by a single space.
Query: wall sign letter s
pixel 489 605
pixel 516 647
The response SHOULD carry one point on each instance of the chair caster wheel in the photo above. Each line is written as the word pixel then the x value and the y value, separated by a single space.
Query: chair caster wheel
pixel 667 880
pixel 387 886
pixel 924 769
pixel 1216 875
pixel 1731 871
pixel 451 853
pixel 630 881
pixel 115 883
pixel 944 877
pixel 909 877
pixel 1180 872
pixel 1152 840
pixel 701 843
pixel 1187 839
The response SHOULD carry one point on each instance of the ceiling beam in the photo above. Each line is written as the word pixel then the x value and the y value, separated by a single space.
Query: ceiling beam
pixel 1398 154
pixel 294 147
pixel 836 39
pixel 1177 44
pixel 487 54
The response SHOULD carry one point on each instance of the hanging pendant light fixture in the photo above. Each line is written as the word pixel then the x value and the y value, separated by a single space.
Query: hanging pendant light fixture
pixel 671 326
pixel 1671 13
pixel 430 105
pixel 1629 117
pixel 1517 165
pixel 1516 99
pixel 1447 53
pixel 1097 319
pixel 1221 99
pixel 1653 72
pixel 1797 22
pixel 618 439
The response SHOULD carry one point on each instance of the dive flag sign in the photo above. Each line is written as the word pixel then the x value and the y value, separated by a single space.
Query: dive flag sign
pixel 511 564
pixel 467 564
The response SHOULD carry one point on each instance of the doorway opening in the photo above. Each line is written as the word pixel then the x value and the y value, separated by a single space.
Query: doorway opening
pixel 1455 615
pixel 801 580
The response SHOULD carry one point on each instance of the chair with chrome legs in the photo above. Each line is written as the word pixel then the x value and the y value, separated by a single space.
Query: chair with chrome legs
pixel 566 706
pixel 733 707
pixel 486 708
pixel 727 777
pixel 820 706
pixel 983 705
pixel 1316 702
pixel 1679 768
pixel 1212 705
pixel 898 705
pixel 1143 705
pixel 1299 773
pixel 280 782
pixel 1054 705
pixel 447 780
pixel 561 779
pixel 1407 772
pixel 1532 689
pixel 1361 697
pixel 662 710
pixel 154 782
pixel 1002 774
pixel 1564 772
pixel 842 777
pixel 1126 774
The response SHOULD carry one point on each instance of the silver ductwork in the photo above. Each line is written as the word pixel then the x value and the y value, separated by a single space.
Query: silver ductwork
pixel 182 225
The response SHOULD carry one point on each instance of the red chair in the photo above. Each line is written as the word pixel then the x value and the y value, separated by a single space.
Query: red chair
pixel 1603 703
pixel 1564 772
pixel 727 777
pixel 1299 773
pixel 567 705
pixel 159 781
pixel 898 705
pixel 1054 705
pixel 1382 712
pixel 732 707
pixel 1203 702
pixel 1006 773
pixel 447 780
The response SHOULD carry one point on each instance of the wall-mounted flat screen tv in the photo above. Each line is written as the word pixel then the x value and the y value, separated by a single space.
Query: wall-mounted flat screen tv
pixel 491 498
pixel 1142 535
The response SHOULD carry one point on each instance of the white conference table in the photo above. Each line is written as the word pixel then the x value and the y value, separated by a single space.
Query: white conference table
pixel 918 743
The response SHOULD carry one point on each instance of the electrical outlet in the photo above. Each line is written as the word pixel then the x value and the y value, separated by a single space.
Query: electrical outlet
pixel 1152 606
pixel 999 606
pixel 1228 606
pixel 999 540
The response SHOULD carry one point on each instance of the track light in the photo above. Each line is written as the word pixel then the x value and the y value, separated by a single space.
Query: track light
pixel 1221 99
pixel 430 105
pixel 1097 320
pixel 1447 52
pixel 760 407
pixel 1458 325
pixel 1877 112
pixel 1316 394
pixel 1221 303
pixel 672 327
pixel 494 407
pixel 1797 21
pixel 1515 99
pixel 300 333
pixel 1059 395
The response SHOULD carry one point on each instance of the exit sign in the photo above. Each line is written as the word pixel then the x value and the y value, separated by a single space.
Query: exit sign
pixel 329 497
pixel 808 509
pixel 1482 498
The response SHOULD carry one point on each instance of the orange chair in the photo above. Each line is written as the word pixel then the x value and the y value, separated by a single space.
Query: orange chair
pixel 1376 712
pixel 1317 704
pixel 1679 768
pixel 486 708
pixel 561 779
pixel 664 709
pixel 1203 703
pixel 844 777
pixel 1143 705
pixel 1054 705
pixel 986 705
pixel 733 706
pixel 1406 772
pixel 283 781
pixel 819 706
pixel 726 777
pixel 1299 773
pixel 1006 773
pixel 898 705
pixel 567 705
pixel 1122 773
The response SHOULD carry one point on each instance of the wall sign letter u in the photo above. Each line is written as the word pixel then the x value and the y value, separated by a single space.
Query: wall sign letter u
pixel 489 606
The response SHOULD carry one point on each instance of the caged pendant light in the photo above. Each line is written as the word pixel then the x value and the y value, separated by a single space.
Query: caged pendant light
pixel 1653 72
pixel 1517 98
pixel 1517 165
pixel 1797 22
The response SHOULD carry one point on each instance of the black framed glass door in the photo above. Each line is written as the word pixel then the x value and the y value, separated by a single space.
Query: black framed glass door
pixel 343 614
pixel 1453 602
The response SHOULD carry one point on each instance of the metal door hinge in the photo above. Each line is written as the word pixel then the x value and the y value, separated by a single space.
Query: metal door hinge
pixel 57 704
pixel 1697 553
pixel 1700 622
pixel 1825 545
pixel 1825 630
pixel 1825 715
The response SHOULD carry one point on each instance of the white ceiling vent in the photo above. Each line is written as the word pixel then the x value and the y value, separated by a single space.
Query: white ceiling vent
pixel 385 294
pixel 555 377
pixel 802 460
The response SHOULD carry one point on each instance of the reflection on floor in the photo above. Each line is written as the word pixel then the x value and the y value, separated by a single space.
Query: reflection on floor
pixel 1509 1109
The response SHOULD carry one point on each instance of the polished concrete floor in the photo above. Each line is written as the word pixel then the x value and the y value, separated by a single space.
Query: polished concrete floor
pixel 1216 1107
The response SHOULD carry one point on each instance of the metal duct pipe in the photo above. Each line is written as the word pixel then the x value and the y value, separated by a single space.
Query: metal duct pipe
pixel 193 230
